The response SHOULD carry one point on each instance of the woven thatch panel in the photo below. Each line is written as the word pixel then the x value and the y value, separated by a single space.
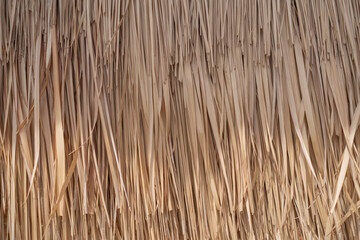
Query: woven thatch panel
pixel 173 119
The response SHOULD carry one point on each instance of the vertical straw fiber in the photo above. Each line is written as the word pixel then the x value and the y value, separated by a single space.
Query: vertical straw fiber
pixel 179 119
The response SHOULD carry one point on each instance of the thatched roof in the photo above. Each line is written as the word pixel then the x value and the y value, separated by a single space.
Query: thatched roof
pixel 179 119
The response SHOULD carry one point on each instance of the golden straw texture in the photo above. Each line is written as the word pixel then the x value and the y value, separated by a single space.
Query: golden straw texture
pixel 179 119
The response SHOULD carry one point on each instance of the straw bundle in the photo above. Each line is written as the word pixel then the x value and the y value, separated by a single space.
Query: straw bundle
pixel 179 119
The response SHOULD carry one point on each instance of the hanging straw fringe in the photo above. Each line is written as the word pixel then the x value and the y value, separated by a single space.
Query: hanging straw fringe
pixel 175 119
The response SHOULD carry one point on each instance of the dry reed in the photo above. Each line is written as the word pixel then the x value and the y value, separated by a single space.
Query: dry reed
pixel 175 119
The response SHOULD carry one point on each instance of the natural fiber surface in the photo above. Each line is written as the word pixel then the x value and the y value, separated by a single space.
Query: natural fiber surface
pixel 178 119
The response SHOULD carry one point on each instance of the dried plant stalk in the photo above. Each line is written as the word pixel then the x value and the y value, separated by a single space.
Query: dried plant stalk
pixel 179 119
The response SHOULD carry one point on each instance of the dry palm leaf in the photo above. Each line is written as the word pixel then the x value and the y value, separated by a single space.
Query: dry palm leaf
pixel 173 119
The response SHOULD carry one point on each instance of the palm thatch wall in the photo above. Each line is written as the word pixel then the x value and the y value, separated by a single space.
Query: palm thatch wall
pixel 178 119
